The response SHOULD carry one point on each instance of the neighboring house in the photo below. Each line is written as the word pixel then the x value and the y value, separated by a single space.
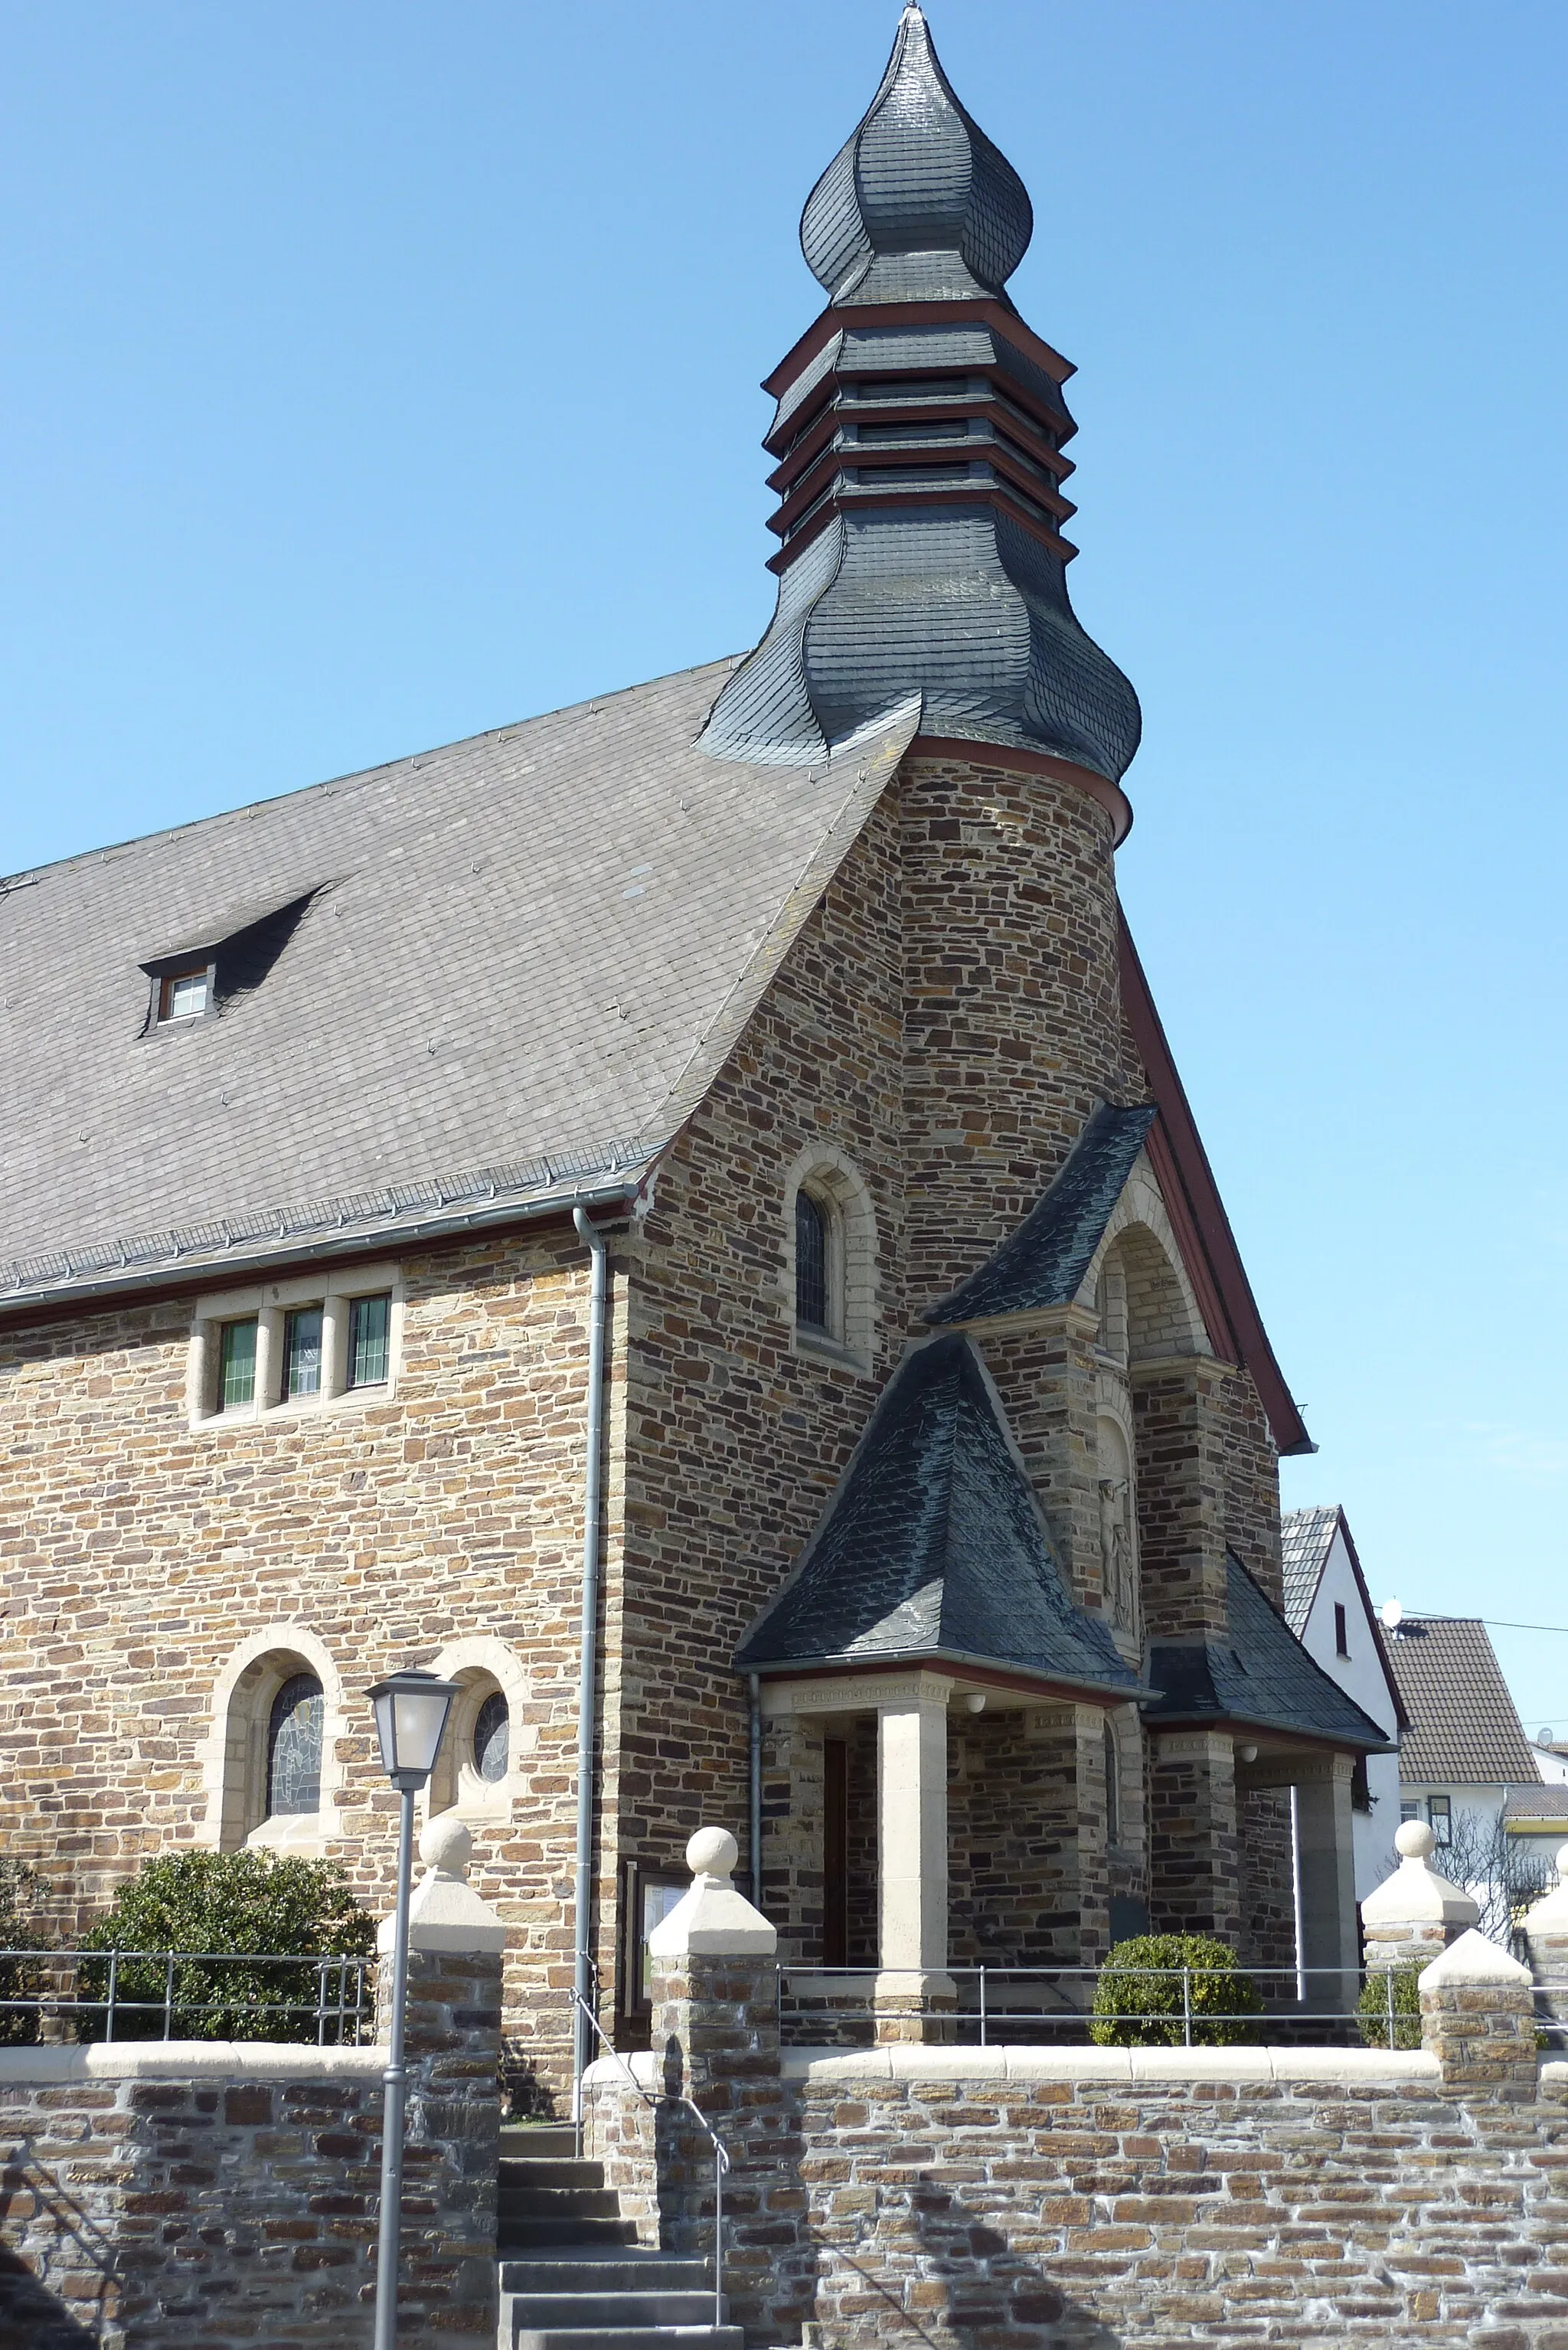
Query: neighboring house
pixel 939 1534
pixel 1330 1610
pixel 1465 1750
pixel 1550 1758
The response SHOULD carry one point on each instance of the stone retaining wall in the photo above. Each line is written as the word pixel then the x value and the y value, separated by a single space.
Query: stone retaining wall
pixel 195 2195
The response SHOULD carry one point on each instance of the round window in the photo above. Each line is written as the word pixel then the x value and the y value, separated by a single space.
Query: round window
pixel 491 1739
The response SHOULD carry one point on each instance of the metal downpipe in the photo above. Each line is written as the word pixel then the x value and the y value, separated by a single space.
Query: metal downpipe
pixel 587 1679
pixel 756 1788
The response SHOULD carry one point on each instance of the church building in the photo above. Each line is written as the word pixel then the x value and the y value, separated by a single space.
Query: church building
pixel 681 1215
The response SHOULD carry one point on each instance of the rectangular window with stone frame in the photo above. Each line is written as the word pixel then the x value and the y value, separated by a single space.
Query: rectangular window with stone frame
pixel 304 1344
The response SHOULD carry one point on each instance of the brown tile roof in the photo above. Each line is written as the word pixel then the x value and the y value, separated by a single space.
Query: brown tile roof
pixel 1464 1731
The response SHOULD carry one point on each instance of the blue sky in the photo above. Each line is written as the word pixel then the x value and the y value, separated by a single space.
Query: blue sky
pixel 377 374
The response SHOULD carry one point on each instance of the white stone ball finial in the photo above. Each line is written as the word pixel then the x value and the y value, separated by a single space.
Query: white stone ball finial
pixel 713 1852
pixel 446 1846
pixel 1414 1840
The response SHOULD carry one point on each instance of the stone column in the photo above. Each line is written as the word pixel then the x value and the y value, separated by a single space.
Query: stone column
pixel 1194 1878
pixel 913 1987
pixel 452 2113
pixel 1546 1937
pixel 1477 2018
pixel 792 1833
pixel 1326 1856
pixel 1413 1915
pixel 716 2038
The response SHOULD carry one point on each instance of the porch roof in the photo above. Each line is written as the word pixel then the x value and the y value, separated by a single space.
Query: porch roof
pixel 1261 1677
pixel 934 1548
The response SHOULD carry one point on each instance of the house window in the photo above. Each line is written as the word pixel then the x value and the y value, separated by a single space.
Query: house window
pixel 1360 1788
pixel 1112 1788
pixel 184 995
pixel 811 1235
pixel 236 1364
pixel 1341 1631
pixel 302 1353
pixel 1440 1813
pixel 1409 1811
pixel 492 1739
pixel 369 1341
pixel 294 1747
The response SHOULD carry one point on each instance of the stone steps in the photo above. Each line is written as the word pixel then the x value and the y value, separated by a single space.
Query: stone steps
pixel 573 2276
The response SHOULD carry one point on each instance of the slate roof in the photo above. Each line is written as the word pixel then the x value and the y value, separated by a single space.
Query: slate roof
pixel 1546 1802
pixel 1307 1537
pixel 523 959
pixel 1464 1731
pixel 933 1547
pixel 1262 1677
pixel 1045 1260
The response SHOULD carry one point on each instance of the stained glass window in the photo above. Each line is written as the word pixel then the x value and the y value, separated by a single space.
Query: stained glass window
pixel 301 1352
pixel 294 1747
pixel 491 1739
pixel 369 1323
pixel 236 1364
pixel 810 1263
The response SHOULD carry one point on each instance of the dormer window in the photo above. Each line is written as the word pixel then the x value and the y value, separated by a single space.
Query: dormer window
pixel 184 995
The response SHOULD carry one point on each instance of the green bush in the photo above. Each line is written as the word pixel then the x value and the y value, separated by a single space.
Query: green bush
pixel 211 1903
pixel 1372 2008
pixel 22 1892
pixel 1137 2010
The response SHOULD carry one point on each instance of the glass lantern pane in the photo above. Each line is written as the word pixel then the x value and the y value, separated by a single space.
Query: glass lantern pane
pixel 421 1717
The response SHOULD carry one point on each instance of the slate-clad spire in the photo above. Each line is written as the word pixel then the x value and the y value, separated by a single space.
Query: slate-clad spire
pixel 918 441
pixel 918 205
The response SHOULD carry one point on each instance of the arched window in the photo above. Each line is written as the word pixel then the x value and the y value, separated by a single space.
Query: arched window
pixel 811 1246
pixel 1112 1788
pixel 492 1739
pixel 294 1746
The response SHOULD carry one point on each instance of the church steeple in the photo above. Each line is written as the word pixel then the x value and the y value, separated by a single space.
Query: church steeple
pixel 918 441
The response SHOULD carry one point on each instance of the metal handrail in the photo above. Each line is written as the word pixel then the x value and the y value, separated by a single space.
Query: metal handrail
pixel 721 2160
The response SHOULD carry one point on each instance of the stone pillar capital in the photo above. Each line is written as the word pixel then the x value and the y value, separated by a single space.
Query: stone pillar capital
pixel 712 1920
pixel 445 1913
pixel 1415 1908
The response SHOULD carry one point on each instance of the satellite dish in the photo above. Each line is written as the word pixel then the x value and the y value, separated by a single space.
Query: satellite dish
pixel 1545 1738
pixel 1393 1615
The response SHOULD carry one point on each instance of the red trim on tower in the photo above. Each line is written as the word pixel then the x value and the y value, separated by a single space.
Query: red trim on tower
pixel 990 313
pixel 1198 1213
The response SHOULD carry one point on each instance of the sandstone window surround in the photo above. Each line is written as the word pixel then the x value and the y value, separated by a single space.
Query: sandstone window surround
pixel 491 1722
pixel 242 1768
pixel 845 1220
pixel 275 1307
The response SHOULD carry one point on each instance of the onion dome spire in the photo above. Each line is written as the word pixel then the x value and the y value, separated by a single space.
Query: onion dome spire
pixel 917 205
pixel 918 464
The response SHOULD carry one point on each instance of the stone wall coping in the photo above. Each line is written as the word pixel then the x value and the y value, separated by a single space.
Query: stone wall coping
pixel 187 2060
pixel 909 2061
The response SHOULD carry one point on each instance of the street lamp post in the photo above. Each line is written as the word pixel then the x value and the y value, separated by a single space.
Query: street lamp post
pixel 412 1708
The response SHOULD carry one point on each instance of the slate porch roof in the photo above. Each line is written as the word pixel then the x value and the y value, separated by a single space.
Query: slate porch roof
pixel 523 958
pixel 934 1549
pixel 1464 1731
pixel 1261 1677
pixel 1045 1260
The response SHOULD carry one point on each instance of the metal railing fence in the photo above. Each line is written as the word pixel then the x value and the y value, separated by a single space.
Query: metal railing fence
pixel 1149 2006
pixel 96 1995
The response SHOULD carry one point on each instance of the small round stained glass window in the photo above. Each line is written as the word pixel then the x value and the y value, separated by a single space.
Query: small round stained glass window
pixel 491 1739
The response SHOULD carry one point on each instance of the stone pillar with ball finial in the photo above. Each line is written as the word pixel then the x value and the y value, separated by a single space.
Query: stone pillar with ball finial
pixel 716 2047
pixel 1413 1915
pixel 452 2119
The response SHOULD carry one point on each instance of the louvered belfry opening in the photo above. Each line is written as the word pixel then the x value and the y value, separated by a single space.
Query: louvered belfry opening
pixel 918 442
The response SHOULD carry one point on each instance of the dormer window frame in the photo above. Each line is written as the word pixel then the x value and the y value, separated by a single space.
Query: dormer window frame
pixel 167 982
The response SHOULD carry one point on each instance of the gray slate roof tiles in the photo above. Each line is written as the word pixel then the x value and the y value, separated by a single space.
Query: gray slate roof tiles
pixel 1262 1675
pixel 1044 1263
pixel 1307 1537
pixel 523 959
pixel 1464 1731
pixel 934 1546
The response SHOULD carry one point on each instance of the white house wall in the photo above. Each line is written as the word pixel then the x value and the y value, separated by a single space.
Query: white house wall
pixel 1361 1676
